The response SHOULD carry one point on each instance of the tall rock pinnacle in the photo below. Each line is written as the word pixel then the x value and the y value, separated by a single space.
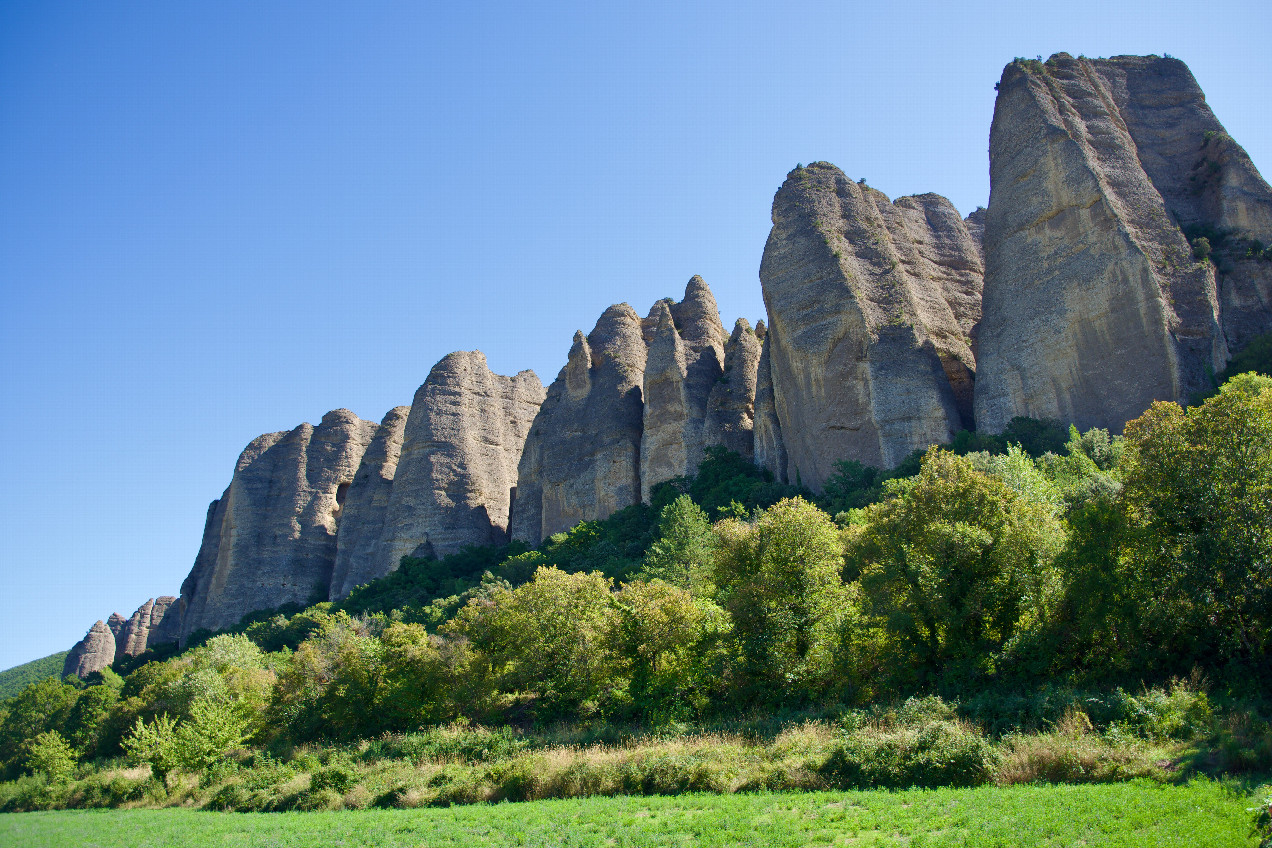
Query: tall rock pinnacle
pixel 871 305
pixel 1095 304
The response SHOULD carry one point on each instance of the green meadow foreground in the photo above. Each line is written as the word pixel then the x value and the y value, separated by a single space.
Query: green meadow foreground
pixel 1201 813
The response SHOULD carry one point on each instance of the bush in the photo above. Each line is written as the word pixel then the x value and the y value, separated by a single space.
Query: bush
pixel 941 753
pixel 338 778
pixel 470 745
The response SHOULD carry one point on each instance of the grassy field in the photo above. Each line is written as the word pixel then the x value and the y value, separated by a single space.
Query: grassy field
pixel 1201 813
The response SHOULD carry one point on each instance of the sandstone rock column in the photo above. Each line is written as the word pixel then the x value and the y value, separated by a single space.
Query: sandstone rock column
pixel 460 447
pixel 582 457
pixel 868 358
pixel 1094 306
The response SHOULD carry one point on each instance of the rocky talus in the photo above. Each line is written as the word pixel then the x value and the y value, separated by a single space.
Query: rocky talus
pixel 271 538
pixel 582 457
pixel 872 304
pixel 460 447
pixel 92 653
pixel 1094 303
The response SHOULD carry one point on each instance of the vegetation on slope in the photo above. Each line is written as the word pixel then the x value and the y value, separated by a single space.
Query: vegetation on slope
pixel 14 680
pixel 1030 592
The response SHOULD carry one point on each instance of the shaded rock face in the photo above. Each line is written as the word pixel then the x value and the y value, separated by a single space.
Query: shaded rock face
pixel 94 652
pixel 271 538
pixel 1094 303
pixel 582 458
pixel 366 506
pixel 684 364
pixel 731 406
pixel 872 305
pixel 769 452
pixel 458 465
pixel 144 628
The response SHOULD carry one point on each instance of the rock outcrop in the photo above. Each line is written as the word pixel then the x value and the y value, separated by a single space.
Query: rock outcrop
pixel 582 456
pixel 871 305
pixel 685 363
pixel 144 628
pixel 271 538
pixel 461 443
pixel 769 452
pixel 366 506
pixel 92 653
pixel 1094 303
pixel 731 406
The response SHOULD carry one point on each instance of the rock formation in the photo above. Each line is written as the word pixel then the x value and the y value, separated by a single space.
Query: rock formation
pixel 143 629
pixel 366 506
pixel 271 538
pixel 460 447
pixel 685 363
pixel 582 457
pixel 92 653
pixel 871 306
pixel 731 406
pixel 1094 303
pixel 769 452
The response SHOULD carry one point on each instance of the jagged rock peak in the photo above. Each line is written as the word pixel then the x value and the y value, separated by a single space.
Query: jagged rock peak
pixel 868 302
pixel 697 317
pixel 1094 305
pixel 582 456
pixel 94 652
pixel 453 485
pixel 142 630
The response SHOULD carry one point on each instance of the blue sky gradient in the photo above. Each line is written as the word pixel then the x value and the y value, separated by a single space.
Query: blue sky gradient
pixel 223 219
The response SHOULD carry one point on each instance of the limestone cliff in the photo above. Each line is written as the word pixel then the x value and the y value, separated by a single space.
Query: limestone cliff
pixel 460 447
pixel 1094 303
pixel 769 452
pixel 271 538
pixel 365 507
pixel 92 653
pixel 871 306
pixel 582 456
pixel 143 629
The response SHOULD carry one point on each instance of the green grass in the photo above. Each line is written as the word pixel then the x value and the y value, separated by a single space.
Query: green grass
pixel 14 680
pixel 1201 813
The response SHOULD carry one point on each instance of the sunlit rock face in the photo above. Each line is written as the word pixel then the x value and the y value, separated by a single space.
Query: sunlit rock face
pixel 872 305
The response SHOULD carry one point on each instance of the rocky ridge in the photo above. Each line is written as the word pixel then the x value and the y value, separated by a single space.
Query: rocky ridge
pixel 1121 259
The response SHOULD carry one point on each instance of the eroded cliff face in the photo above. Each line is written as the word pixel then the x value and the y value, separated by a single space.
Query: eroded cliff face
pixel 871 305
pixel 144 629
pixel 366 506
pixel 458 466
pixel 1094 303
pixel 582 457
pixel 731 405
pixel 271 538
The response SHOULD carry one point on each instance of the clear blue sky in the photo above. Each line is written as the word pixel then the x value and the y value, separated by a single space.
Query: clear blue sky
pixel 219 219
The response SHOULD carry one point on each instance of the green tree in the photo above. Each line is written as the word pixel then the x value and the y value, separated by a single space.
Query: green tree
pixel 953 563
pixel 779 579
pixel 51 755
pixel 550 638
pixel 39 707
pixel 682 553
pixel 1196 491
pixel 672 642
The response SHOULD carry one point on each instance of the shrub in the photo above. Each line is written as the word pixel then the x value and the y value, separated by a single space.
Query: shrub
pixel 941 753
pixel 471 745
pixel 338 778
